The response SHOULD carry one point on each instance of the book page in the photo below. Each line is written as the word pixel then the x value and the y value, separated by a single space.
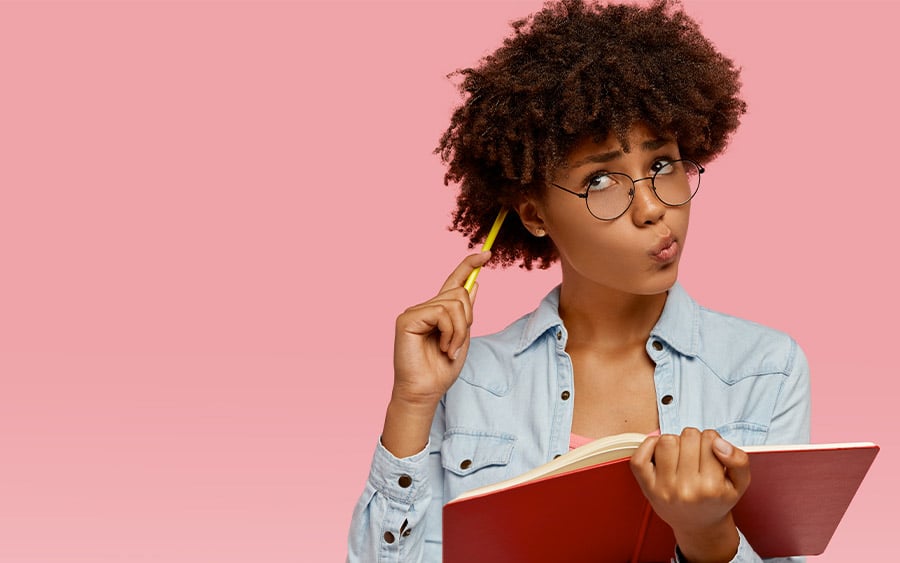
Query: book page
pixel 602 450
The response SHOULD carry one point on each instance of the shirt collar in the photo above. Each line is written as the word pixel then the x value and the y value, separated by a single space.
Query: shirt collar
pixel 542 319
pixel 678 325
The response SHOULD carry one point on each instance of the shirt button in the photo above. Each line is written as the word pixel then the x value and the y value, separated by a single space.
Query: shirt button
pixel 389 537
pixel 466 463
pixel 404 481
pixel 565 395
pixel 559 335
pixel 657 345
pixel 667 399
pixel 407 532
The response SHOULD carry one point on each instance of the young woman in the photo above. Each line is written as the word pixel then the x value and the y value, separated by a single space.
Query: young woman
pixel 593 125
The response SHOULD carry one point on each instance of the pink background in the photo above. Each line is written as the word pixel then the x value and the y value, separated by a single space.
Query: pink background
pixel 210 214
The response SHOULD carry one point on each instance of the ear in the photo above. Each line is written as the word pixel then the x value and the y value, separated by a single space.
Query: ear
pixel 531 213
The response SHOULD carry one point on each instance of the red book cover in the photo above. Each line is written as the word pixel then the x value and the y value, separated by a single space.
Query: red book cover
pixel 797 497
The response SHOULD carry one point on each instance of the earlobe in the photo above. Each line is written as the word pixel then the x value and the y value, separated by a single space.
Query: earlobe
pixel 530 215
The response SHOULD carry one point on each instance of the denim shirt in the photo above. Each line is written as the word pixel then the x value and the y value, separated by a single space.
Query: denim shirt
pixel 511 410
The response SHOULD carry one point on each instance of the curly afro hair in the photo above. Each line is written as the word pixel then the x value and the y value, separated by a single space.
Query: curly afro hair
pixel 574 70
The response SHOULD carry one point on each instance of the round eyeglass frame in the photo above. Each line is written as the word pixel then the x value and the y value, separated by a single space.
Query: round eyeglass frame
pixel 584 196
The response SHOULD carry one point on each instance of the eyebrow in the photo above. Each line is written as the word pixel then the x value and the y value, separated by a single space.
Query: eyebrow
pixel 646 146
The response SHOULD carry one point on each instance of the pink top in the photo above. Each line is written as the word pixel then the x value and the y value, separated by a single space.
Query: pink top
pixel 576 441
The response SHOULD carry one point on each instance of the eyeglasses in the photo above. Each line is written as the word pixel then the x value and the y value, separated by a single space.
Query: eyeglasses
pixel 609 194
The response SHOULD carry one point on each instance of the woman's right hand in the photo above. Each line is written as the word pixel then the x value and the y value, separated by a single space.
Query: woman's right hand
pixel 432 339
pixel 430 346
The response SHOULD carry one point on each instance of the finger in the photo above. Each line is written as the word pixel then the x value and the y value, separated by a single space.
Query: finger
pixel 736 462
pixel 424 319
pixel 443 322
pixel 642 463
pixel 460 295
pixel 666 459
pixel 709 463
pixel 689 452
pixel 469 263
pixel 457 311
pixel 445 327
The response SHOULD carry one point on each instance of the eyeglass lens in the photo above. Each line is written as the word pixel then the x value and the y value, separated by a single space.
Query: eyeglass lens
pixel 675 183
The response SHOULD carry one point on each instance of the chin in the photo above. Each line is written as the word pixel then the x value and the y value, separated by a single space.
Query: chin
pixel 661 282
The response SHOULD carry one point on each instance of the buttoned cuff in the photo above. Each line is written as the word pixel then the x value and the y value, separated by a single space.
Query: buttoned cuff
pixel 401 480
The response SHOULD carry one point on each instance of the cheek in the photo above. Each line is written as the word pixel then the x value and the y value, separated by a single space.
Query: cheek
pixel 569 223
pixel 681 219
pixel 597 241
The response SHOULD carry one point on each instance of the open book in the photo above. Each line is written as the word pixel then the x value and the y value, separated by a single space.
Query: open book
pixel 587 506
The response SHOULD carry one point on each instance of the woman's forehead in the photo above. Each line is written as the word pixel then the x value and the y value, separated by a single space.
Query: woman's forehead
pixel 639 137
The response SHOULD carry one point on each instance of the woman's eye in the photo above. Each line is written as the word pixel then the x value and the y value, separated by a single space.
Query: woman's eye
pixel 663 166
pixel 600 182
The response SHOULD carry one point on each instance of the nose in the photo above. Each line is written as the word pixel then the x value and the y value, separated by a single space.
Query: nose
pixel 647 209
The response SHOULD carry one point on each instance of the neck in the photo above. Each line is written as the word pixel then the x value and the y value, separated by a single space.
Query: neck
pixel 607 317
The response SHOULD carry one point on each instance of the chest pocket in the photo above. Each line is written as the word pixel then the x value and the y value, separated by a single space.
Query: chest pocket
pixel 472 459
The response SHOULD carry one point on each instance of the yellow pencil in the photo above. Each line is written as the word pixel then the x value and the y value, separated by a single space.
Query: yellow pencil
pixel 488 243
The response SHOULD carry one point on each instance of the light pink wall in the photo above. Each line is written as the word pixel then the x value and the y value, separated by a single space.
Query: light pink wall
pixel 210 214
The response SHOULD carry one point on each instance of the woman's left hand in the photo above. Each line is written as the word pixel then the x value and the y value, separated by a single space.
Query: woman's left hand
pixel 692 482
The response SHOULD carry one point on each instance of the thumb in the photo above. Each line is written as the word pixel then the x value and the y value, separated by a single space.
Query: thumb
pixel 736 462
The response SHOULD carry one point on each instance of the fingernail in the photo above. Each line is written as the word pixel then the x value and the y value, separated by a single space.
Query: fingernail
pixel 455 354
pixel 722 446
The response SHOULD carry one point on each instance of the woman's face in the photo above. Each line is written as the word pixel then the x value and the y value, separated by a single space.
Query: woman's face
pixel 637 253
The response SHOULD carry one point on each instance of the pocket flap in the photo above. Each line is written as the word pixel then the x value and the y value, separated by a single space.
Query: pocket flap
pixel 464 452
